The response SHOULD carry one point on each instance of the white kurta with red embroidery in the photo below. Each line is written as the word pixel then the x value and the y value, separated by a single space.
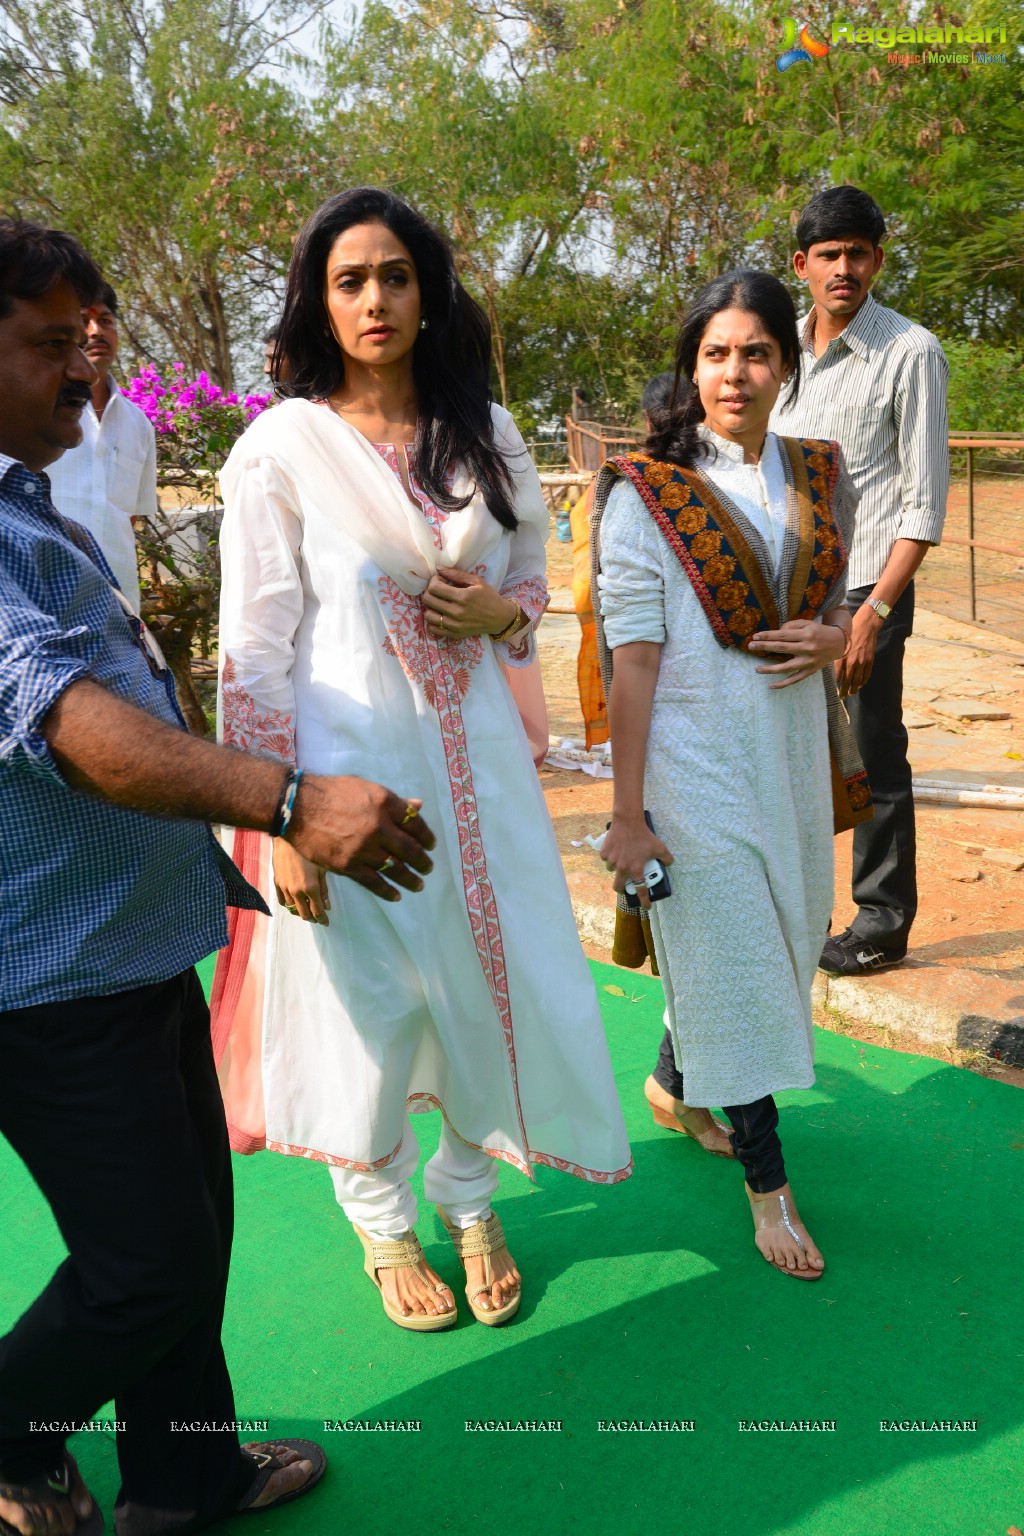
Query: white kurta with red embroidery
pixel 472 996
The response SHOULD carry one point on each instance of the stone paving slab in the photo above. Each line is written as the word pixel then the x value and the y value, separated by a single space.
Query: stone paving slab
pixel 948 1006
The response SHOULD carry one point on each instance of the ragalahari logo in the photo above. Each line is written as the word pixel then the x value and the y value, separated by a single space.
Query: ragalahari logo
pixel 809 47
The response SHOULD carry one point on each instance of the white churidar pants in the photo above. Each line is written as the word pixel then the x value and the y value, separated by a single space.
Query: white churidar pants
pixel 458 1178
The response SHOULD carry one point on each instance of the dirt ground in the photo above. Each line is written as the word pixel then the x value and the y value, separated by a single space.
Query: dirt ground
pixel 943 584
pixel 971 906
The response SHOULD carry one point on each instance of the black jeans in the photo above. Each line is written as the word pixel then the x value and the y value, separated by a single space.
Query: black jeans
pixel 755 1127
pixel 885 848
pixel 114 1105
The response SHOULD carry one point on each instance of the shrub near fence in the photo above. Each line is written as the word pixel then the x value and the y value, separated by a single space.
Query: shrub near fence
pixel 196 424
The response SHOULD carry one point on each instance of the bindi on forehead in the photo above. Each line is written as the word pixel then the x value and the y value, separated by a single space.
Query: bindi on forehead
pixel 368 265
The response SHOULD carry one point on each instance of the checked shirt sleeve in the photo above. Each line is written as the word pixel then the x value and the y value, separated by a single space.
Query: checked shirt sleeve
pixel 38 660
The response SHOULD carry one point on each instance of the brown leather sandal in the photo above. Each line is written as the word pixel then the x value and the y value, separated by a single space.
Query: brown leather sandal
pixel 480 1241
pixel 699 1124
pixel 264 1454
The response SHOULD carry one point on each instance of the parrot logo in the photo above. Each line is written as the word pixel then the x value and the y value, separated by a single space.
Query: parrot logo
pixel 809 47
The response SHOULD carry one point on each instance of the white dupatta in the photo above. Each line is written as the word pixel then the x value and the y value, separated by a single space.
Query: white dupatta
pixel 337 472
pixel 343 476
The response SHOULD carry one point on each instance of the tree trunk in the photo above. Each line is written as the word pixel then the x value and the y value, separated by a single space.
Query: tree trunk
pixel 498 341
pixel 175 634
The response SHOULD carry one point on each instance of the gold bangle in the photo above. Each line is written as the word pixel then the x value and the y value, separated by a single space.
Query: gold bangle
pixel 517 620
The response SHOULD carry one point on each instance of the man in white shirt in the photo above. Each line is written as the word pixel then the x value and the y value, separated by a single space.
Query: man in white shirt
pixel 111 476
pixel 876 383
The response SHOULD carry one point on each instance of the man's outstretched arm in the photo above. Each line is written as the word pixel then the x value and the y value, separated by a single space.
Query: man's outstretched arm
pixel 109 748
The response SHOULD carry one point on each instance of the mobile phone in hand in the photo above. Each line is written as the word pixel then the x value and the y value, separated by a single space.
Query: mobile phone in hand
pixel 655 877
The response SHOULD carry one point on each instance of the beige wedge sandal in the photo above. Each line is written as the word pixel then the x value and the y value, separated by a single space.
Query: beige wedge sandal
pixel 699 1124
pixel 480 1241
pixel 403 1253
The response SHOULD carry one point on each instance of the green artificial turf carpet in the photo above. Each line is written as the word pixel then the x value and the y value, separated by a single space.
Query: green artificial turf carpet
pixel 647 1301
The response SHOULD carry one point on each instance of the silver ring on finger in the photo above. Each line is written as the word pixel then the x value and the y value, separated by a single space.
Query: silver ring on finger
pixel 389 863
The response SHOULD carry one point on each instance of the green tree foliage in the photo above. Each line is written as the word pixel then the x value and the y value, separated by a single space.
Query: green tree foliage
pixel 594 160
pixel 938 146
pixel 986 387
pixel 161 133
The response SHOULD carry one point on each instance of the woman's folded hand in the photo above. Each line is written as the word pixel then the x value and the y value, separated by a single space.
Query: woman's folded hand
pixel 799 649
pixel 300 885
pixel 457 603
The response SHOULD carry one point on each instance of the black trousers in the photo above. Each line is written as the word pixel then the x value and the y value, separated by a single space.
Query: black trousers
pixel 885 848
pixel 755 1127
pixel 114 1105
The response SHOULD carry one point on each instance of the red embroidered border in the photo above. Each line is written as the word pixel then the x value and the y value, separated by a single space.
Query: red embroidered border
pixel 440 668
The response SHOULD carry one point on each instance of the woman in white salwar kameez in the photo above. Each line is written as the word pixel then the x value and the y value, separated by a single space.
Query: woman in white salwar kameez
pixel 719 546
pixel 383 571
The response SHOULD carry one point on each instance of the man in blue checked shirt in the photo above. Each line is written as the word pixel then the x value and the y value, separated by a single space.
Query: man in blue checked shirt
pixel 111 887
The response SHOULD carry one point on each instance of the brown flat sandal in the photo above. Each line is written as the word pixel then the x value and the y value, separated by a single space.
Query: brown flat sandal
pixel 775 1210
pixel 480 1241
pixel 402 1253
pixel 699 1124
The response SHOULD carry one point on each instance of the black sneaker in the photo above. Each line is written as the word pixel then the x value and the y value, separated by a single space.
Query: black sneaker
pixel 847 954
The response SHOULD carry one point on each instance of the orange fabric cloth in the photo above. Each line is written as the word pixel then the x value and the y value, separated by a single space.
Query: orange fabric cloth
pixel 588 671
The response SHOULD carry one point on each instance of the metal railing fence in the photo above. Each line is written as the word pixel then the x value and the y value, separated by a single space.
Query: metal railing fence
pixel 976 573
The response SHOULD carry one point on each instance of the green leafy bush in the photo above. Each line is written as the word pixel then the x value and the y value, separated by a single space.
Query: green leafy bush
pixel 986 387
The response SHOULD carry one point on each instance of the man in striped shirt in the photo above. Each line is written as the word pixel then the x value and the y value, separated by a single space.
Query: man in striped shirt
pixel 876 383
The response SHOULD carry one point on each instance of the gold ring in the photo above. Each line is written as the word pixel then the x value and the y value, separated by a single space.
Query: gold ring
pixel 382 869
pixel 292 909
pixel 442 621
pixel 411 812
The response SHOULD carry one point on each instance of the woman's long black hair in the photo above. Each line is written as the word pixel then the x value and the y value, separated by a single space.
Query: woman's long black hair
pixel 451 357
pixel 673 436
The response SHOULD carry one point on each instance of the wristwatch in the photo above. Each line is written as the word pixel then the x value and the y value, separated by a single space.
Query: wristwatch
pixel 882 609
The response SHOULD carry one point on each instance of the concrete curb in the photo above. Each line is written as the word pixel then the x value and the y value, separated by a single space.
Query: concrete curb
pixel 935 1004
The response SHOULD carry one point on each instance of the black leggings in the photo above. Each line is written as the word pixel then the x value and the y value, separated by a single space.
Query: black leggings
pixel 755 1127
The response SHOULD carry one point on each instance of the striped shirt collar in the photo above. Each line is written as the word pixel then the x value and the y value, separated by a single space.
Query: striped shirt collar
pixel 858 335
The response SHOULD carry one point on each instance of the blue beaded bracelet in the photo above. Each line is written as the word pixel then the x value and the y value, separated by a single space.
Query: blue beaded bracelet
pixel 286 804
